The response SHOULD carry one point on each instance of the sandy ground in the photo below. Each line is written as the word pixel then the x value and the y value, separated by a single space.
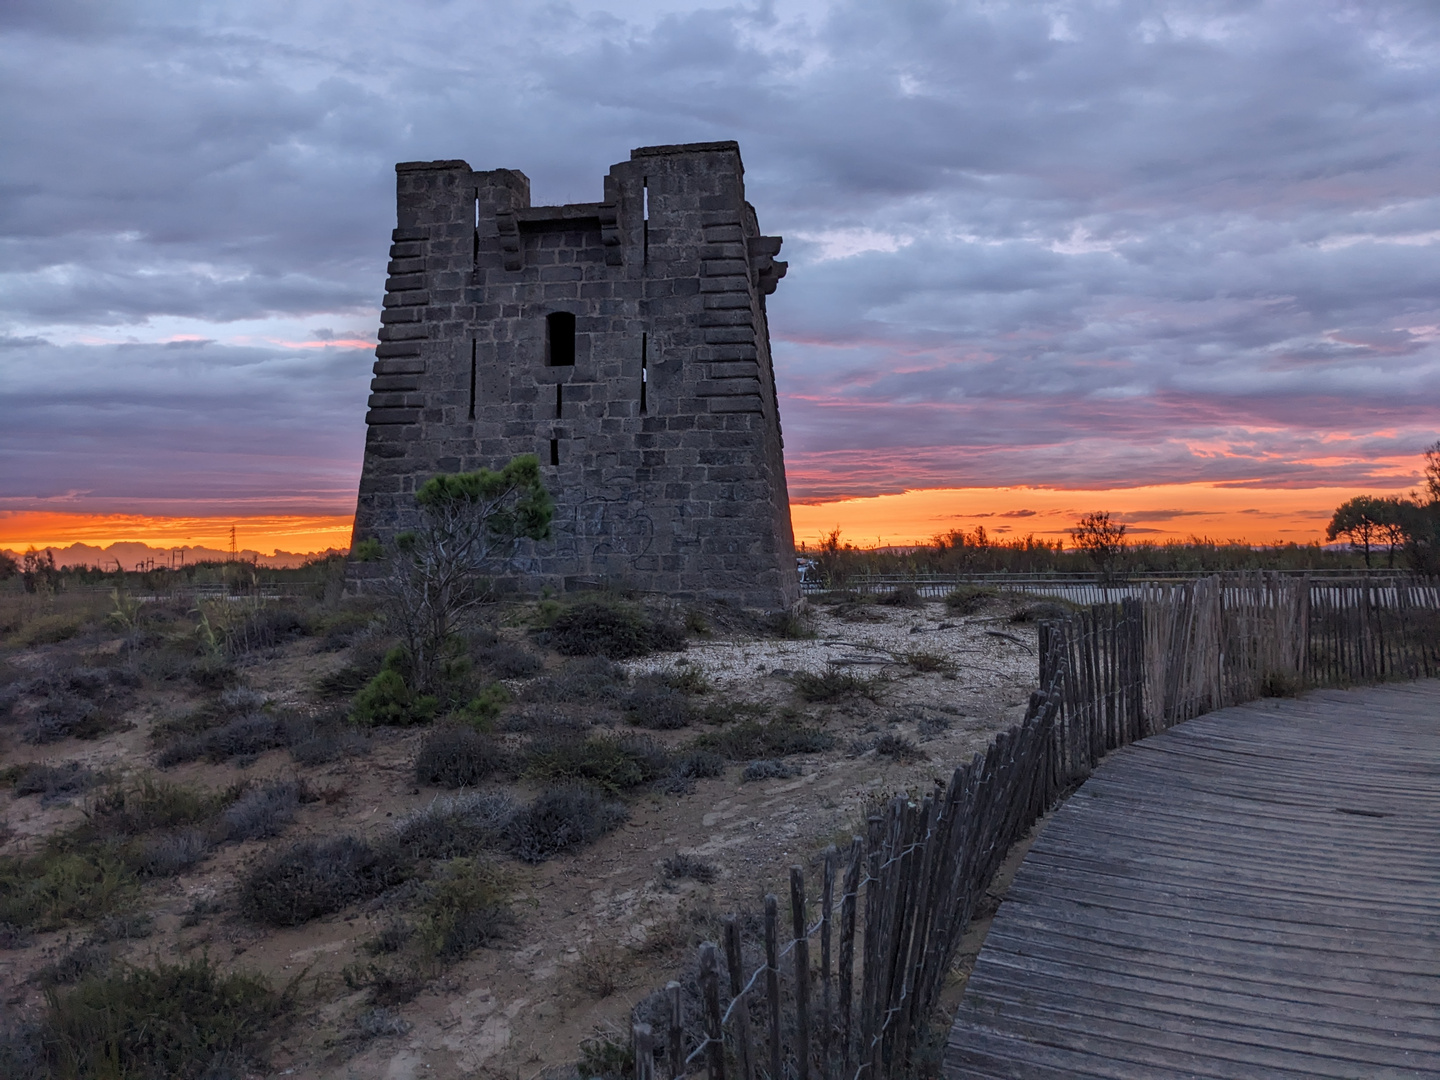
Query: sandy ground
pixel 598 929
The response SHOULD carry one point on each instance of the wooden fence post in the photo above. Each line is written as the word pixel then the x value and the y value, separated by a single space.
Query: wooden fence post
pixel 739 998
pixel 710 994
pixel 849 900
pixel 772 981
pixel 802 973
pixel 643 1041
pixel 827 903
pixel 675 1043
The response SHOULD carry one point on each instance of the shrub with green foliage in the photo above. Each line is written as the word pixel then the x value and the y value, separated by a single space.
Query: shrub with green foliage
pixel 181 1022
pixel 314 878
pixel 832 684
pixel 468 907
pixel 611 628
pixel 90 869
pixel 388 698
pixel 613 764
pixel 482 710
pixel 751 739
pixel 47 890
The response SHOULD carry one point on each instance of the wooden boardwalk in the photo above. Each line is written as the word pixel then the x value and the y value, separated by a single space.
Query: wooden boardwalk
pixel 1255 893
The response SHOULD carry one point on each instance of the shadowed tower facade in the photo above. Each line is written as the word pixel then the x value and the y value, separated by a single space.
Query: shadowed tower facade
pixel 623 342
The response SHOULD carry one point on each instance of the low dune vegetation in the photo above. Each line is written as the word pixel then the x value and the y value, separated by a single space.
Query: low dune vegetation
pixel 250 814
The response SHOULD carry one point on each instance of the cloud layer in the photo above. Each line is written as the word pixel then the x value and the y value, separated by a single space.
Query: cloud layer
pixel 1067 244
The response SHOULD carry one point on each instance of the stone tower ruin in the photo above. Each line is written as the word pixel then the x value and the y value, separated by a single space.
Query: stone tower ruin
pixel 624 342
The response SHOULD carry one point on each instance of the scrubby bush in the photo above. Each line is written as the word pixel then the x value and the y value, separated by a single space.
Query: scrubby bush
pixel 613 629
pixel 690 766
pixel 327 743
pixel 168 853
pixel 67 715
pixel 456 825
pixel 507 661
pixel 766 769
pixel 968 599
pixel 652 704
pixel 380 1022
pixel 148 806
pixel 898 748
pixel 253 733
pixel 47 630
pixel 468 907
pixel 183 1021
pixel 47 890
pixel 932 725
pixel 561 818
pixel 904 596
pixel 265 627
pixel 213 673
pixel 261 812
pixel 54 782
pixel 751 739
pixel 1042 611
pixel 833 685
pixel 459 757
pixel 75 963
pixel 687 679
pixel 90 869
pixel 614 764
pixel 929 663
pixel 689 866
pixel 698 765
pixel 314 878
pixel 798 625
pixel 594 680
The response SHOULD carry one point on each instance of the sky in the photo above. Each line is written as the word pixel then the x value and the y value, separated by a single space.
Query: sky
pixel 1172 260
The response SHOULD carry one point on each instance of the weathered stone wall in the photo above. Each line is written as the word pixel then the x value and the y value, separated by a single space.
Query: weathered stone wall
pixel 661 443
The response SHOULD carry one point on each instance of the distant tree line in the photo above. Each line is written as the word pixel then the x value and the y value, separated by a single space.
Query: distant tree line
pixel 1098 543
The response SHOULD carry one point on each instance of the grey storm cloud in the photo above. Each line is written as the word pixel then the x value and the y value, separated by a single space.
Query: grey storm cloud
pixel 1104 243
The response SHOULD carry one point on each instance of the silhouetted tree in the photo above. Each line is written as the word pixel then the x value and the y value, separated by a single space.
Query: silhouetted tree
pixel 1363 519
pixel 1101 539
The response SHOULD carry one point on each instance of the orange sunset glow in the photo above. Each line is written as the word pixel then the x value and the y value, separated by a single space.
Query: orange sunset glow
pixel 1161 512
pixel 295 533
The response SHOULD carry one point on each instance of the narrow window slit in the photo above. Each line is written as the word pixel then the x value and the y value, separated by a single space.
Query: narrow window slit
pixel 475 236
pixel 644 369
pixel 559 392
pixel 554 451
pixel 560 339
pixel 472 378
pixel 645 219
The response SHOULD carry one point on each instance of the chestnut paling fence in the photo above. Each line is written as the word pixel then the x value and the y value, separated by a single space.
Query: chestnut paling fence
pixel 848 983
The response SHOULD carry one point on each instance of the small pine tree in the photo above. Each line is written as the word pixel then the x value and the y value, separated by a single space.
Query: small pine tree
pixel 471 525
